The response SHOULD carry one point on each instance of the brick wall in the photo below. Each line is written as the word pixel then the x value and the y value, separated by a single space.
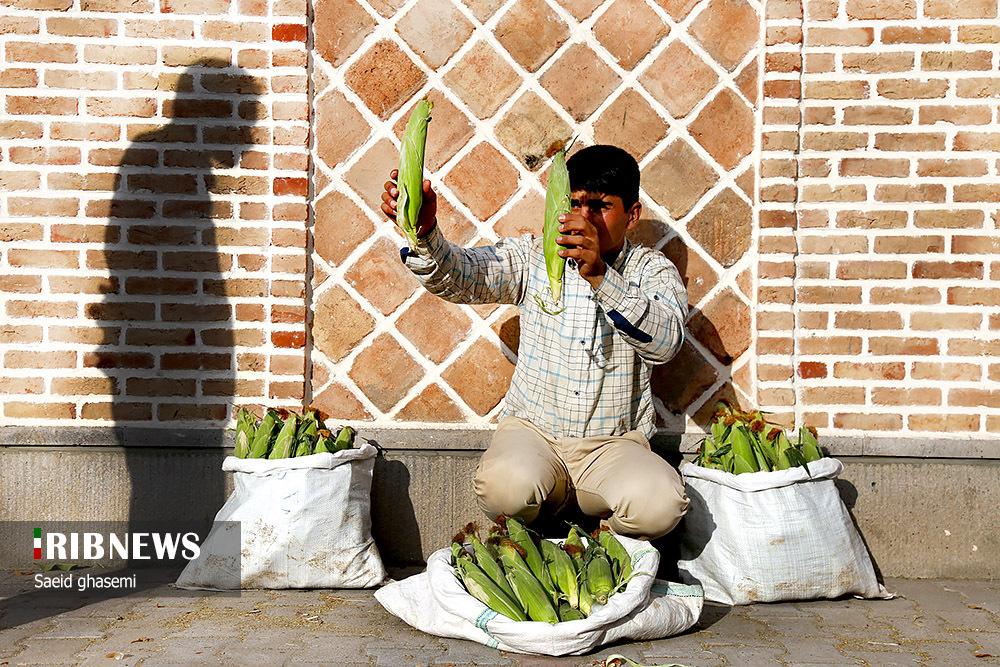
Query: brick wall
pixel 879 214
pixel 154 172
pixel 825 176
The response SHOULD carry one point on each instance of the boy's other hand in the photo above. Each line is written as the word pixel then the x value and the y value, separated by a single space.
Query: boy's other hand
pixel 428 210
pixel 582 243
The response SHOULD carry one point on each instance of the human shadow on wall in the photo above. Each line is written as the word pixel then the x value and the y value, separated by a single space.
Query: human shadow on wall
pixel 169 346
pixel 166 341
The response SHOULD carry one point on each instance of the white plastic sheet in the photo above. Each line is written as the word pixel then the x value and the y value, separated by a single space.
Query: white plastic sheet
pixel 304 522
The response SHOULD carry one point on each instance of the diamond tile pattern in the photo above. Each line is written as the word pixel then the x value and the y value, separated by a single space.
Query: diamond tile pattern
pixel 674 82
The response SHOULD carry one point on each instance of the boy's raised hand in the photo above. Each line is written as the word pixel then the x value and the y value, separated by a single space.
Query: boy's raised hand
pixel 583 245
pixel 428 210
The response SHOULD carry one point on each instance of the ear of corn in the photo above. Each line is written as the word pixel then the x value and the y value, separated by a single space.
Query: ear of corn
pixel 743 457
pixel 488 563
pixel 410 179
pixel 533 557
pixel 569 613
pixel 285 440
pixel 324 442
pixel 810 447
pixel 261 443
pixel 345 439
pixel 557 202
pixel 484 589
pixel 586 598
pixel 533 596
pixel 562 572
pixel 599 576
pixel 621 562
pixel 246 425
pixel 581 581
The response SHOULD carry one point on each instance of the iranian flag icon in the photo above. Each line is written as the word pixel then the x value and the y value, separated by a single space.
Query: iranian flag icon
pixel 38 543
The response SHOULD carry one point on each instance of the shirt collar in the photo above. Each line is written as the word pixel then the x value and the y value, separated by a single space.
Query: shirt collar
pixel 618 261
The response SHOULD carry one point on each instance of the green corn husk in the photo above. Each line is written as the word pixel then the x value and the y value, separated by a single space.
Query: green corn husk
pixel 533 557
pixel 600 578
pixel 324 442
pixel 511 558
pixel 557 202
pixel 285 440
pixel 484 589
pixel 533 596
pixel 569 613
pixel 488 563
pixel 621 562
pixel 246 426
pixel 410 179
pixel 561 571
pixel 261 443
pixel 345 439
pixel 587 601
pixel 810 446
pixel 743 457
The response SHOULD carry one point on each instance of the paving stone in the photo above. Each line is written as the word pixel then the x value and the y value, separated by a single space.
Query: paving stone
pixel 750 655
pixel 796 627
pixel 816 650
pixel 950 654
pixel 884 659
pixel 931 594
pixel 921 627
pixel 69 628
pixel 970 619
pixel 50 651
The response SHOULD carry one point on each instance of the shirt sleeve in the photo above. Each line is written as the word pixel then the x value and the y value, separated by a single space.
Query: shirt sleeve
pixel 649 316
pixel 481 274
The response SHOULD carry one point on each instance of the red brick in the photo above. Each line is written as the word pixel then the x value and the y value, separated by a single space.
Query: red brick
pixel 947 270
pixel 40 52
pixel 41 105
pixel 892 346
pixel 835 345
pixel 869 371
pixel 915 35
pixel 871 270
pixel 884 321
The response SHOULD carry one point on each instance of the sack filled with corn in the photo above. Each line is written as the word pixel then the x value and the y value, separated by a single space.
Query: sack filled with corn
pixel 300 512
pixel 445 601
pixel 766 522
pixel 410 177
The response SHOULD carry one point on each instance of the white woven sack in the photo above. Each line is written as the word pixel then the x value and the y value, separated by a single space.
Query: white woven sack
pixel 769 536
pixel 436 602
pixel 304 522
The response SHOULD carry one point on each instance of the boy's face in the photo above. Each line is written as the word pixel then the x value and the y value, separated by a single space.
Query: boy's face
pixel 607 213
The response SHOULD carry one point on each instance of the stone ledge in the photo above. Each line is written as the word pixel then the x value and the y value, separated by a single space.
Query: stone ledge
pixel 466 439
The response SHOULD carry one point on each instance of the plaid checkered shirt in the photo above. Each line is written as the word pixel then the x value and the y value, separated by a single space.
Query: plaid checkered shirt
pixel 584 372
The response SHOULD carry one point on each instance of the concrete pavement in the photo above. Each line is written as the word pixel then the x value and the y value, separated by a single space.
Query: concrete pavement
pixel 946 623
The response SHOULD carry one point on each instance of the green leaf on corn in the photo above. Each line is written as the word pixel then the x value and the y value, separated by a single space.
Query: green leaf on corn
pixel 410 179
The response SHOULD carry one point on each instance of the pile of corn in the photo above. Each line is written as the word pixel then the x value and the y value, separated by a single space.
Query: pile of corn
pixel 282 434
pixel 745 442
pixel 539 580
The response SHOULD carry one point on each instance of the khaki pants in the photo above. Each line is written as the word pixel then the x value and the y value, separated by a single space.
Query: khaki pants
pixel 525 470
